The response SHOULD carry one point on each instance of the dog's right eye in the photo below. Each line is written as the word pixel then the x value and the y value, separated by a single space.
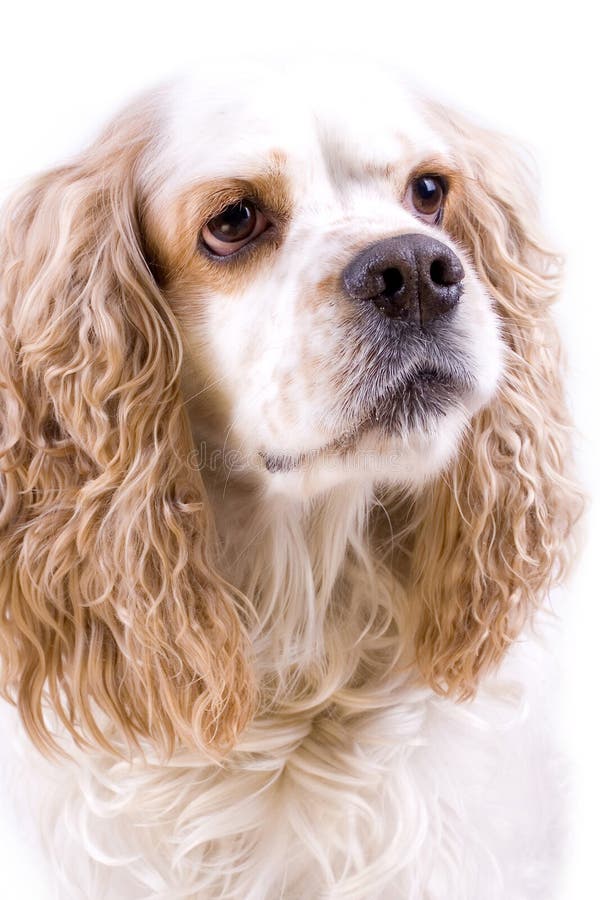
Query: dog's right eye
pixel 234 227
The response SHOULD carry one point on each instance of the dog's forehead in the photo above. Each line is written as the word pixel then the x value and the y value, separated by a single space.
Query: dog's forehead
pixel 227 125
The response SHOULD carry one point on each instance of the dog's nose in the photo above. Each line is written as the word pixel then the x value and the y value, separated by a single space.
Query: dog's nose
pixel 411 277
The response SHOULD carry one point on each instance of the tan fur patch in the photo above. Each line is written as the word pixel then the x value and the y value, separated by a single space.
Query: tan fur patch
pixel 174 233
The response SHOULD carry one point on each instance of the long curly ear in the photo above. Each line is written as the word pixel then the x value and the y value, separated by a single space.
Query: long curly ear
pixel 111 610
pixel 494 532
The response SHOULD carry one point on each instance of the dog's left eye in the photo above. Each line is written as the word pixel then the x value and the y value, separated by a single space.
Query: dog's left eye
pixel 426 195
pixel 234 227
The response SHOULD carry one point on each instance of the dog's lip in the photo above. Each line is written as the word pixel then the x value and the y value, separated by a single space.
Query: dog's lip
pixel 287 462
pixel 346 440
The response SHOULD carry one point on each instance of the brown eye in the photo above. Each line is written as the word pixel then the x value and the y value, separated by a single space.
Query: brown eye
pixel 233 228
pixel 426 197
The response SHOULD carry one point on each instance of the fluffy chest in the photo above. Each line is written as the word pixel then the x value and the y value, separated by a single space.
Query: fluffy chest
pixel 415 797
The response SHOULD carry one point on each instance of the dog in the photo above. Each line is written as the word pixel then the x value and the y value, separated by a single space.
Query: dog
pixel 286 482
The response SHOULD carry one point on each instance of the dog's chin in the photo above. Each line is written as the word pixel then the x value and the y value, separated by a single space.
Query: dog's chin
pixel 406 437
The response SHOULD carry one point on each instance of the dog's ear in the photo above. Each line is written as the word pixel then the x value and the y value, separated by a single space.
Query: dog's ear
pixel 494 532
pixel 112 612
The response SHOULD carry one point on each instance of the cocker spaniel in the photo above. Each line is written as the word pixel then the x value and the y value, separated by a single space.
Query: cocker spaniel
pixel 284 474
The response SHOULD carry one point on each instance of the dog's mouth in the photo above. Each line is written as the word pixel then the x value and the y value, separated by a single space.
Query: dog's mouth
pixel 417 401
pixel 413 404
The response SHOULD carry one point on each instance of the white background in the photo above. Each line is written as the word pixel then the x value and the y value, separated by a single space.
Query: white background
pixel 529 68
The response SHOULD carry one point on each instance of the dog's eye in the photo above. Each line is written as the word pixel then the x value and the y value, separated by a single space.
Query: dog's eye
pixel 425 197
pixel 233 228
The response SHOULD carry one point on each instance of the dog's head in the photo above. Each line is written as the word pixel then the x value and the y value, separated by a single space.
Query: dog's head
pixel 328 276
pixel 312 251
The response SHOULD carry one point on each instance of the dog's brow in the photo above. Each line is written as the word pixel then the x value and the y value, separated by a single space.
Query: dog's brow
pixel 266 182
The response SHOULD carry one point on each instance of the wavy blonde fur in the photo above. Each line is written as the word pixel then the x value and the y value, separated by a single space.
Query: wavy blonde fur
pixel 108 596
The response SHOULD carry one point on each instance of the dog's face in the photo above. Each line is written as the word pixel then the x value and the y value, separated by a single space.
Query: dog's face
pixel 334 326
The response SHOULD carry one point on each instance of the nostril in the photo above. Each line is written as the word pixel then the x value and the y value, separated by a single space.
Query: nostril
pixel 438 272
pixel 393 281
pixel 443 273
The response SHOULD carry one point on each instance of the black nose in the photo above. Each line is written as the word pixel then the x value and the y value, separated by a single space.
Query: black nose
pixel 412 277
